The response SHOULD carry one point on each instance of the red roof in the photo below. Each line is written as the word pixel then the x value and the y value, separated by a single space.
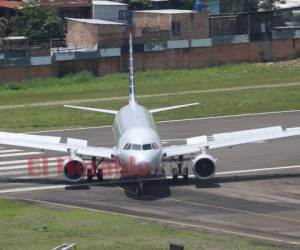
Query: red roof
pixel 10 4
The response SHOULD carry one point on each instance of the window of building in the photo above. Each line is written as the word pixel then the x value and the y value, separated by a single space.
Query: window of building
pixel 123 14
pixel 176 27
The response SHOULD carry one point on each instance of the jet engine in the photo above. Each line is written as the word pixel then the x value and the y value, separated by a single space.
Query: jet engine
pixel 204 167
pixel 74 169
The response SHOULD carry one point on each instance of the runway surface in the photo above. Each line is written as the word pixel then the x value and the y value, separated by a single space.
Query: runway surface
pixel 263 205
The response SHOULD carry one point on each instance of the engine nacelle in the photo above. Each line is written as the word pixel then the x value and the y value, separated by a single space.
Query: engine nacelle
pixel 74 169
pixel 204 167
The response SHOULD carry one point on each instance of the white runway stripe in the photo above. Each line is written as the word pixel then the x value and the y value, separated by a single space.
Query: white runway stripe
pixel 37 173
pixel 2 151
pixel 20 154
pixel 26 166
pixel 14 190
pixel 4 163
pixel 257 170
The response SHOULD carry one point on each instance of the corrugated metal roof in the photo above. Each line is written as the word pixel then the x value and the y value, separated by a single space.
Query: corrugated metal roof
pixel 10 4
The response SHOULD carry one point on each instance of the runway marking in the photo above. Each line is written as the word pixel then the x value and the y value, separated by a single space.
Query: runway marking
pixel 220 207
pixel 20 154
pixel 178 120
pixel 234 210
pixel 257 170
pixel 25 166
pixel 25 161
pixel 24 189
pixel 10 151
pixel 170 222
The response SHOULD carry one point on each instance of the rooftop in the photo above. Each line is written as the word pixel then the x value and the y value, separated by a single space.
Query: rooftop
pixel 10 4
pixel 94 21
pixel 168 11
pixel 15 38
pixel 288 4
pixel 97 2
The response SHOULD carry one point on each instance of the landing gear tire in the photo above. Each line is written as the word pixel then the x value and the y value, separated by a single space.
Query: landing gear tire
pixel 90 175
pixel 185 174
pixel 175 178
pixel 99 174
pixel 140 190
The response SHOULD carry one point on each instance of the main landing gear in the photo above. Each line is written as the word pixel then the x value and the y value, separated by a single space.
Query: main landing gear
pixel 95 171
pixel 140 188
pixel 180 170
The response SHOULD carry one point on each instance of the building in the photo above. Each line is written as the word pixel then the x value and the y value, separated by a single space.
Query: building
pixel 176 24
pixel 94 34
pixel 110 11
pixel 70 8
pixel 8 7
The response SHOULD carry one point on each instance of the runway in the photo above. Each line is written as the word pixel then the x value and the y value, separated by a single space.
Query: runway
pixel 262 205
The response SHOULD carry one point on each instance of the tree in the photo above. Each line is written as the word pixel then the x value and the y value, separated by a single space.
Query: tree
pixel 38 23
pixel 3 26
pixel 138 4
pixel 183 4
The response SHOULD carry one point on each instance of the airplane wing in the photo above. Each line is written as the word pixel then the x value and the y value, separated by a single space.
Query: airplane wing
pixel 79 147
pixel 196 144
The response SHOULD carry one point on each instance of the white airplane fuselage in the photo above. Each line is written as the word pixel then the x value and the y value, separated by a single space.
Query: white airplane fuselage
pixel 138 141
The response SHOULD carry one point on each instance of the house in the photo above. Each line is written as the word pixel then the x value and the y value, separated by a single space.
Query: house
pixel 94 34
pixel 177 24
pixel 8 7
pixel 70 8
pixel 110 11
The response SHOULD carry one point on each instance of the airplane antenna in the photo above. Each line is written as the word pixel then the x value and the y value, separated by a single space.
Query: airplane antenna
pixel 131 71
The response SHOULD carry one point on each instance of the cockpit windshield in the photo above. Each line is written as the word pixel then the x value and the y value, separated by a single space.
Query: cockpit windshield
pixel 138 147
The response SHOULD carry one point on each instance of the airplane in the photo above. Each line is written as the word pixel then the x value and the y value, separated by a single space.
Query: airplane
pixel 139 143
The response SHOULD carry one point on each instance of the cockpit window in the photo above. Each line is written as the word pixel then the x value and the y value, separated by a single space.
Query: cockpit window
pixel 136 147
pixel 147 147
pixel 127 146
pixel 144 147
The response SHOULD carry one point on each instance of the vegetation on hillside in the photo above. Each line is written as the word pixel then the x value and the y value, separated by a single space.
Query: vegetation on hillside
pixel 38 23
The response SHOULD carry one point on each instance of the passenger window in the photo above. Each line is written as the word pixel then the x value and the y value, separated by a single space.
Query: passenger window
pixel 136 147
pixel 147 147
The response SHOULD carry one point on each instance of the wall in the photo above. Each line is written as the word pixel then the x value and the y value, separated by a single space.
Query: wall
pixel 81 35
pixel 89 36
pixel 188 58
pixel 109 12
pixel 193 25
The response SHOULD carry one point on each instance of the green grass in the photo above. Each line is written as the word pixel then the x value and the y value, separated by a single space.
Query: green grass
pixel 223 103
pixel 84 85
pixel 26 226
